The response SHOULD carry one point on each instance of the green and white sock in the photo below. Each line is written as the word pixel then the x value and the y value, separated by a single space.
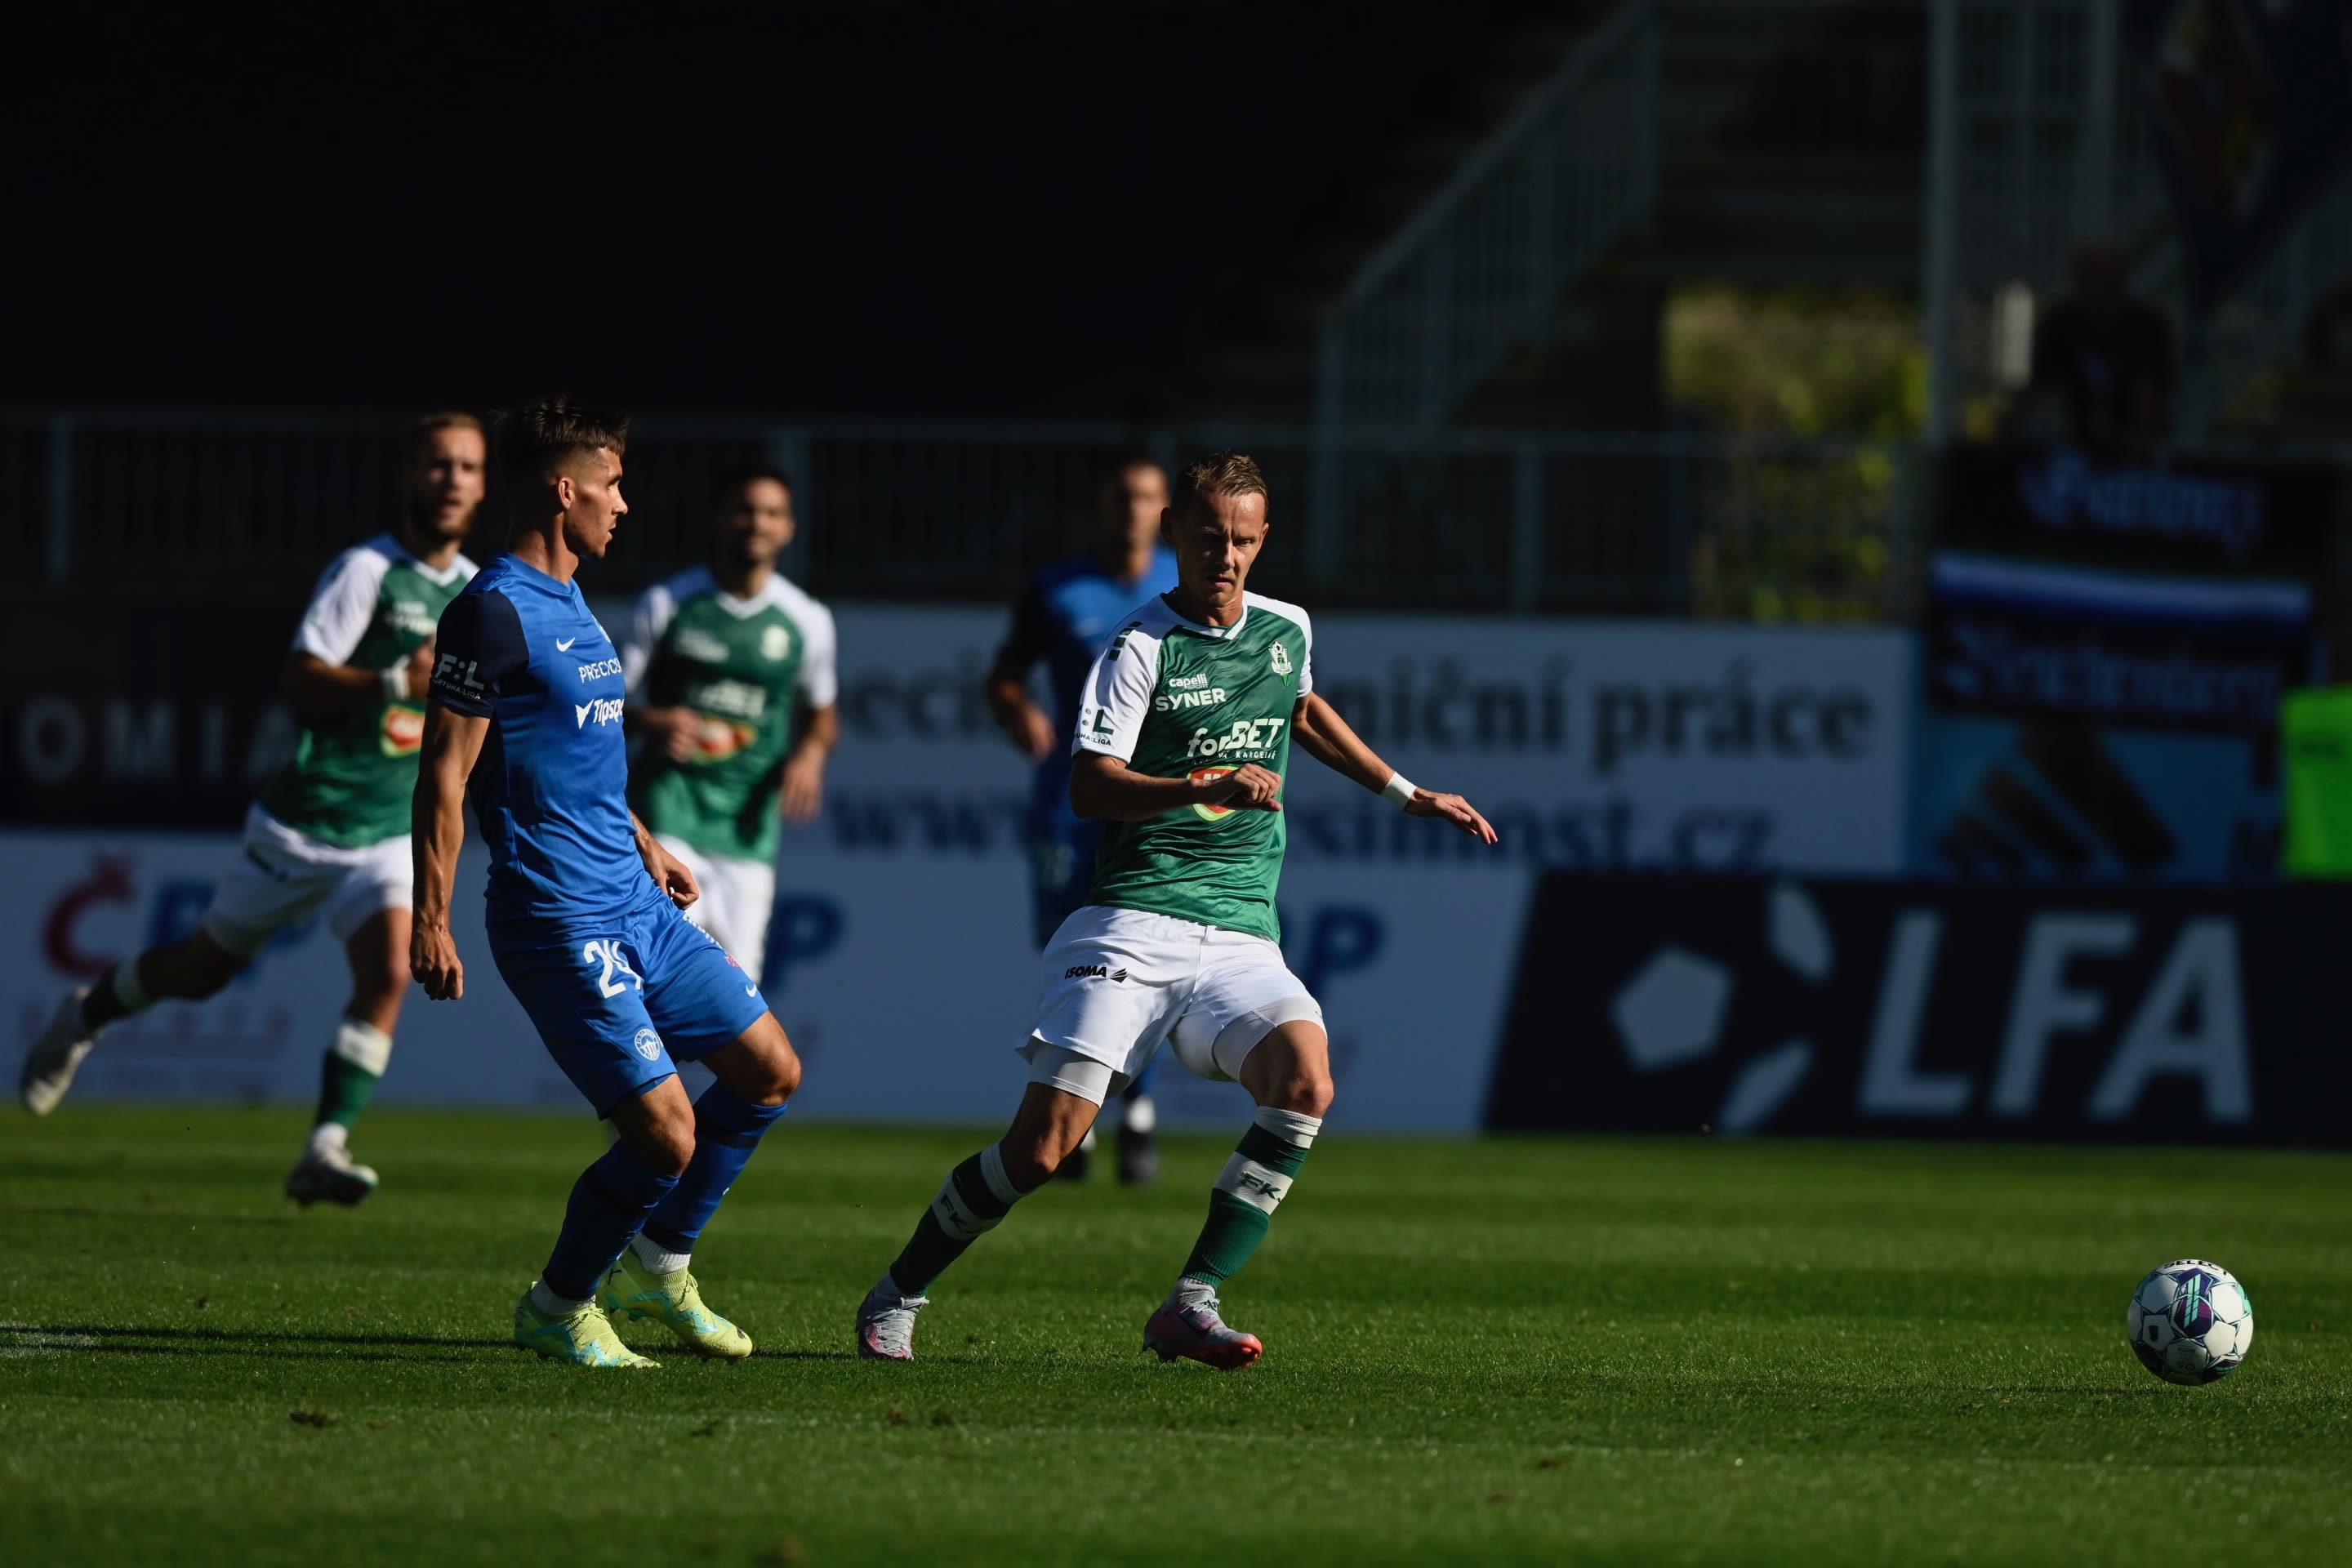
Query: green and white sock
pixel 1245 1193
pixel 347 1078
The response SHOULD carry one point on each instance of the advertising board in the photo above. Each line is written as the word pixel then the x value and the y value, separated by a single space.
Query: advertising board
pixel 1887 1009
pixel 900 960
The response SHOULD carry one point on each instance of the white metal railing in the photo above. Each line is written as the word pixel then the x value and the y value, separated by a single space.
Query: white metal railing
pixel 1473 520
pixel 1476 274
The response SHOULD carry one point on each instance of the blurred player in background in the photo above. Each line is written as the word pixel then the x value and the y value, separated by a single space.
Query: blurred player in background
pixel 1183 740
pixel 583 909
pixel 330 832
pixel 717 658
pixel 1062 620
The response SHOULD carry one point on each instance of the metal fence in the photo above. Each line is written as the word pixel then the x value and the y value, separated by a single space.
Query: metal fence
pixel 1487 520
pixel 1476 273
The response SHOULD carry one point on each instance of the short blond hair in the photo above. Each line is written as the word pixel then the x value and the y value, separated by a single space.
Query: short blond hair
pixel 428 425
pixel 1223 474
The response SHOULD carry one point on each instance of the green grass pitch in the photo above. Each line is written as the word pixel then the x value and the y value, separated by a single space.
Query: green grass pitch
pixel 1567 1352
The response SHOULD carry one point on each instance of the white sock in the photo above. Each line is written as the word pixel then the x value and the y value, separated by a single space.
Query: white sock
pixel 1291 1126
pixel 1142 1116
pixel 658 1257
pixel 329 1135
pixel 554 1305
pixel 1191 1292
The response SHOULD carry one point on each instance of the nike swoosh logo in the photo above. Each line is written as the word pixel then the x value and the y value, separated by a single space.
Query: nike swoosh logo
pixel 564 645
pixel 751 991
pixel 580 714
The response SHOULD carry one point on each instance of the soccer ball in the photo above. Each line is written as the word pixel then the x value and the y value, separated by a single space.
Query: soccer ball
pixel 2189 1322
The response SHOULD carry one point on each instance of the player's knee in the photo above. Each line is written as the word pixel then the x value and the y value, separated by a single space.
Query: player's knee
pixel 669 1146
pixel 1305 1088
pixel 783 1077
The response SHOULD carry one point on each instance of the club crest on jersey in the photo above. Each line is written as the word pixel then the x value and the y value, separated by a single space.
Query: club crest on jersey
pixel 775 643
pixel 1281 659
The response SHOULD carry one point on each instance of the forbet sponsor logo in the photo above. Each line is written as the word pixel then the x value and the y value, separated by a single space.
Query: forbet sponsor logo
pixel 1254 737
pixel 604 710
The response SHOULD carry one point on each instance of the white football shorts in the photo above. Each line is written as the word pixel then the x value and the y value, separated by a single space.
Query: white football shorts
pixel 281 877
pixel 738 897
pixel 1115 983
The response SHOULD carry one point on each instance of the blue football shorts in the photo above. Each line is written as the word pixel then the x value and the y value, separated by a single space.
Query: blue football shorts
pixel 618 1011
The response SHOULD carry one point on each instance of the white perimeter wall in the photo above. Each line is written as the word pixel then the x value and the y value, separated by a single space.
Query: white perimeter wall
pixel 903 968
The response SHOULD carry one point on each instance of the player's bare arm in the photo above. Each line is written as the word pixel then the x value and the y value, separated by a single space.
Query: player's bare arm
pixel 1009 703
pixel 670 874
pixel 316 689
pixel 804 793
pixel 1316 728
pixel 453 745
pixel 1109 790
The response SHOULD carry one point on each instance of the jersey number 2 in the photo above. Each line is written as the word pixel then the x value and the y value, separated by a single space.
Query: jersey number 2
pixel 608 953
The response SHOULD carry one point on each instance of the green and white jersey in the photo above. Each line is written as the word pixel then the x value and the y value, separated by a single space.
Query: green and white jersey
pixel 737 664
pixel 352 777
pixel 1174 698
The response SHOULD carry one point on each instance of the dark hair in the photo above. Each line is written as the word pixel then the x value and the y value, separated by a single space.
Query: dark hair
pixel 537 437
pixel 1223 474
pixel 731 482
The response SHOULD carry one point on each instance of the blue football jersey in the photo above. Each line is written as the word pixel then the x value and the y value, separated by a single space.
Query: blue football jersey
pixel 551 789
pixel 1066 617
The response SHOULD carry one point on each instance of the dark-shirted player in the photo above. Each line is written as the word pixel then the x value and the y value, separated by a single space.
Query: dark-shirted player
pixel 329 837
pixel 1062 620
pixel 583 909
pixel 1182 745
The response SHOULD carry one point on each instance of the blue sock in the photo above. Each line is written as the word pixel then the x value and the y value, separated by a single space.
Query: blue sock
pixel 727 1127
pixel 609 1202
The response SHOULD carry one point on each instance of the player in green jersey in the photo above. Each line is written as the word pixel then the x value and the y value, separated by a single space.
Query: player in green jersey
pixel 717 659
pixel 1182 741
pixel 329 835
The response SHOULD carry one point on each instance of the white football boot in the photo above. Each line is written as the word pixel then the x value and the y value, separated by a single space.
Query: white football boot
pixel 886 1323
pixel 328 1173
pixel 1187 1325
pixel 57 1055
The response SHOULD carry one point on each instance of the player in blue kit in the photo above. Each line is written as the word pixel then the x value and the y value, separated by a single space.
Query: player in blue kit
pixel 583 909
pixel 1063 619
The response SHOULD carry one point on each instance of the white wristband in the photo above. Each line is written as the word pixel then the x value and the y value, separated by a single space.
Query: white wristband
pixel 396 683
pixel 1398 791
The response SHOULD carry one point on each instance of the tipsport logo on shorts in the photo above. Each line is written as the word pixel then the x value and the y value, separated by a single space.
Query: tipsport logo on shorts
pixel 648 1044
